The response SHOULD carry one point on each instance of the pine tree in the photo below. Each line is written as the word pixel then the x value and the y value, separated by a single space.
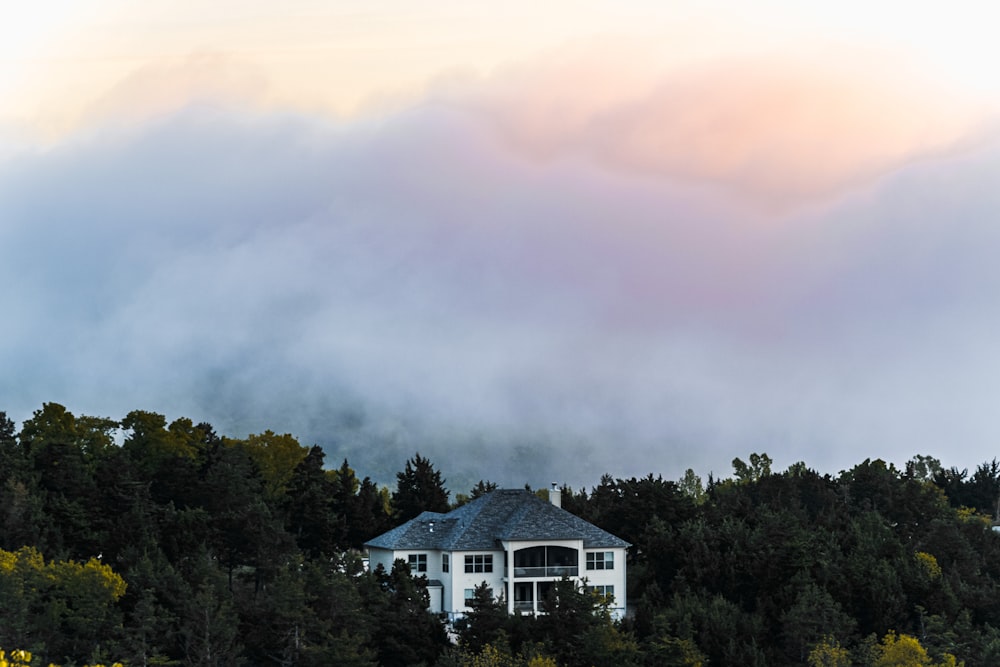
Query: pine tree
pixel 419 488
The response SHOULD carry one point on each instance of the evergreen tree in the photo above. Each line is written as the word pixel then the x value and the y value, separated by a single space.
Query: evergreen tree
pixel 309 511
pixel 419 488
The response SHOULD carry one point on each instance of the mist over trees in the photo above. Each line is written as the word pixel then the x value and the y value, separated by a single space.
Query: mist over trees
pixel 167 543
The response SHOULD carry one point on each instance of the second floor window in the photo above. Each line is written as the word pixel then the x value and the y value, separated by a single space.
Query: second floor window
pixel 444 562
pixel 479 563
pixel 601 560
pixel 418 562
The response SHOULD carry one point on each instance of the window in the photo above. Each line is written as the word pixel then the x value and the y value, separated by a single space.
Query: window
pixel 601 560
pixel 470 595
pixel 418 562
pixel 546 561
pixel 479 563
pixel 444 562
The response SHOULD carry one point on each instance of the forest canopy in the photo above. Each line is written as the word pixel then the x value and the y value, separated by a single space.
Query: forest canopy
pixel 148 542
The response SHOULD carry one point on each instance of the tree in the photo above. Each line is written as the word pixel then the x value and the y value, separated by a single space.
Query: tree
pixel 829 653
pixel 419 488
pixel 244 530
pixel 578 624
pixel 760 467
pixel 815 616
pixel 407 633
pixel 478 491
pixel 690 485
pixel 61 450
pixel 923 468
pixel 309 511
pixel 209 628
pixel 371 514
pixel 21 504
pixel 66 608
pixel 485 622
pixel 276 456
pixel 906 651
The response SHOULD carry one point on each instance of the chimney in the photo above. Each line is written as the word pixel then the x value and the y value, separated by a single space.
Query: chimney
pixel 555 495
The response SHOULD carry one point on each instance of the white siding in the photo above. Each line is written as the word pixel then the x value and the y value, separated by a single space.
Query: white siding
pixel 614 577
pixel 460 579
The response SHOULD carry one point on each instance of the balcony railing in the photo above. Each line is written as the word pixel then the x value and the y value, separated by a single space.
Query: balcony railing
pixel 551 571
pixel 524 605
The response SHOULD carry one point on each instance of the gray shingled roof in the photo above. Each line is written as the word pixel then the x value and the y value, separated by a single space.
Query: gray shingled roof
pixel 506 514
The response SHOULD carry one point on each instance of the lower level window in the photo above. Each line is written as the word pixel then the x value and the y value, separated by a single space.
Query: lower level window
pixel 418 562
pixel 606 591
pixel 470 595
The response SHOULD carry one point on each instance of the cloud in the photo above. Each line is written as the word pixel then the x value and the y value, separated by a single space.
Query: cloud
pixel 411 282
pixel 770 129
pixel 168 85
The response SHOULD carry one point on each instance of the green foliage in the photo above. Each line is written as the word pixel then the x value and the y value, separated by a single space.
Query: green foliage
pixel 59 609
pixel 690 485
pixel 814 618
pixel 231 552
pixel 276 457
pixel 829 653
pixel 419 488
pixel 480 489
pixel 760 467
pixel 485 623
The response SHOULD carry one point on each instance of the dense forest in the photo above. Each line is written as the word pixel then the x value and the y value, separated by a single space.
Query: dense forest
pixel 167 544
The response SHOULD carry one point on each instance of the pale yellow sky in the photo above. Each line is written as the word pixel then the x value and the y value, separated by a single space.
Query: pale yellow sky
pixel 63 62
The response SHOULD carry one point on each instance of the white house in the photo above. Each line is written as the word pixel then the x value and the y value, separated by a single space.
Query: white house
pixel 511 539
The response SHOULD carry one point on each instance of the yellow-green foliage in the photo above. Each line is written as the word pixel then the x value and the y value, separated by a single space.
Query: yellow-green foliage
pixel 21 658
pixel 499 655
pixel 906 651
pixel 970 515
pixel 275 455
pixel 829 653
pixel 539 661
pixel 44 600
pixel 17 658
pixel 91 579
pixel 928 564
pixel 491 656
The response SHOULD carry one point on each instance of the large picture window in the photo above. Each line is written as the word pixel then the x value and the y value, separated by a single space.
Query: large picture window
pixel 418 562
pixel 479 563
pixel 601 560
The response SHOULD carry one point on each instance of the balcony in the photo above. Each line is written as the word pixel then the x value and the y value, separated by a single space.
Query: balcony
pixel 545 562
pixel 556 571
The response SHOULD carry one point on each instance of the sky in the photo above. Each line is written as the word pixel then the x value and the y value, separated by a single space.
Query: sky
pixel 535 244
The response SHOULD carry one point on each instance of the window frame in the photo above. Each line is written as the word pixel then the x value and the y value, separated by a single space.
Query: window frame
pixel 600 560
pixel 478 563
pixel 417 562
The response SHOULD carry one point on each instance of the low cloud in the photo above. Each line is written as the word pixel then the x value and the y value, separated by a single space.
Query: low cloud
pixel 411 282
